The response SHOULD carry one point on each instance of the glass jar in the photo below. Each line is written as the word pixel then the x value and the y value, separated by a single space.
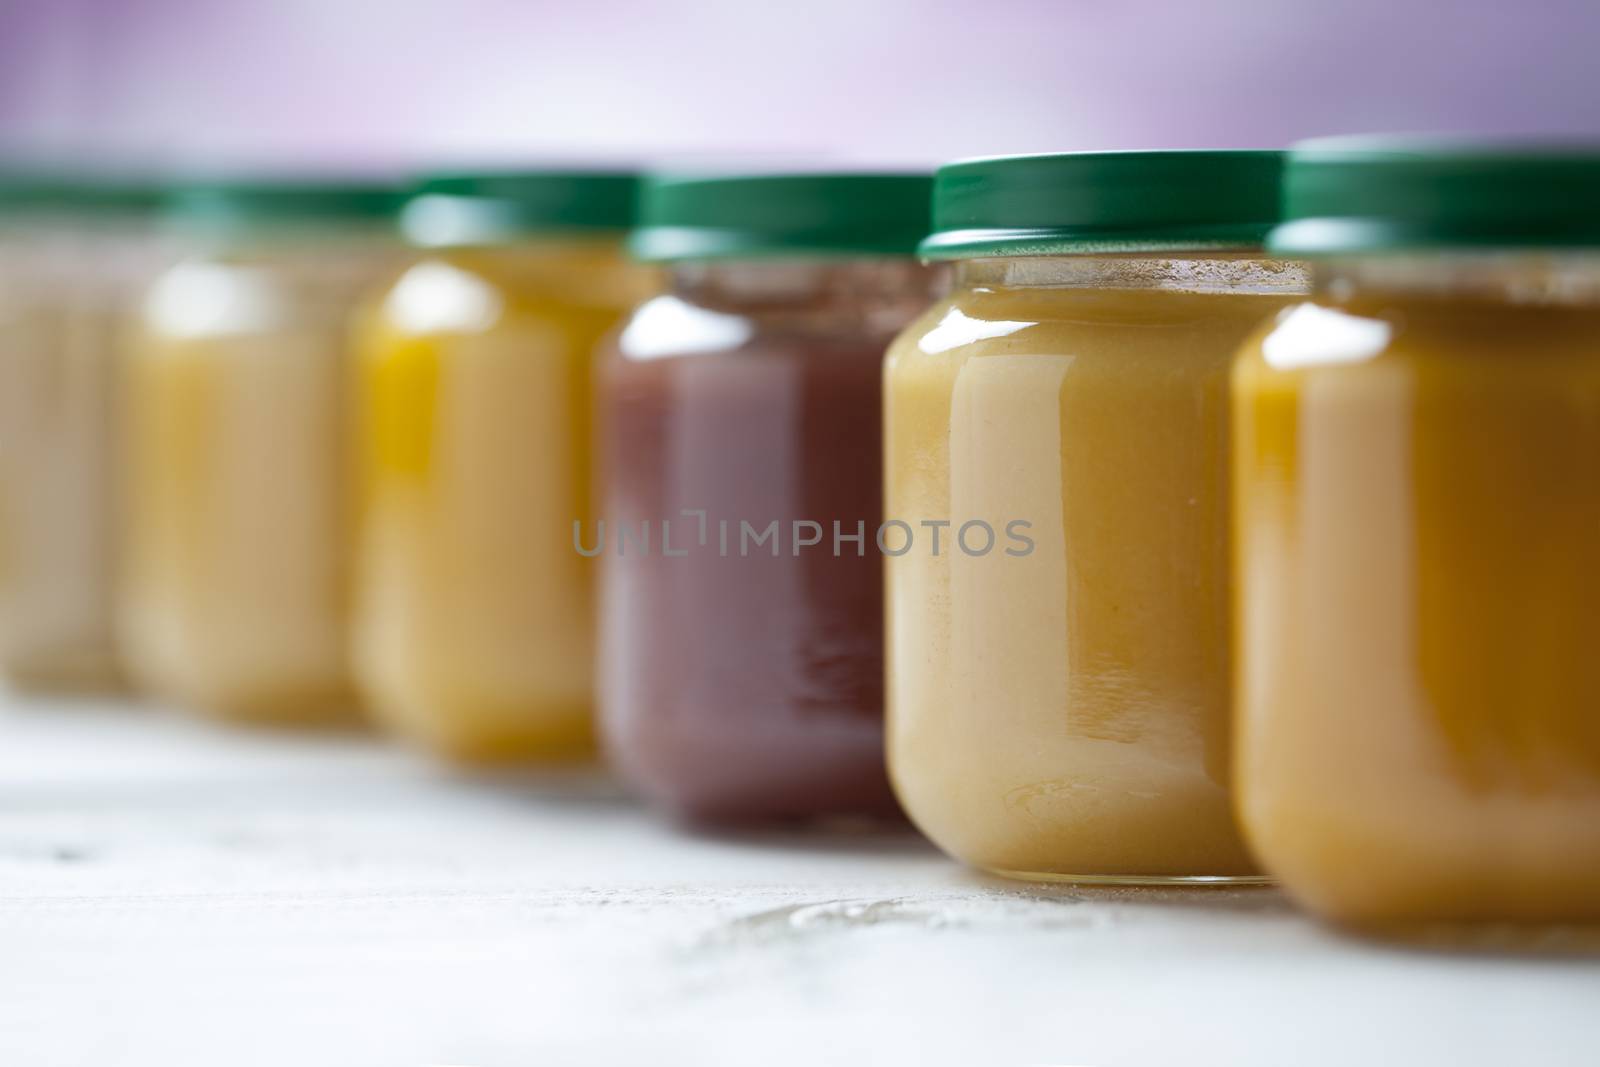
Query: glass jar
pixel 1417 498
pixel 75 255
pixel 1057 446
pixel 475 617
pixel 741 618
pixel 238 547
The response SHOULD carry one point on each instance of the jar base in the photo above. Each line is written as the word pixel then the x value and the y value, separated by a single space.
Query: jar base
pixel 85 675
pixel 1553 936
pixel 514 750
pixel 1192 881
pixel 333 707
pixel 490 736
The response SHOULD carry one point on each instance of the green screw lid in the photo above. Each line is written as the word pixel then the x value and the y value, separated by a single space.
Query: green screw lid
pixel 1087 202
pixel 78 197
pixel 736 216
pixel 27 191
pixel 495 207
pixel 119 194
pixel 1382 194
pixel 228 206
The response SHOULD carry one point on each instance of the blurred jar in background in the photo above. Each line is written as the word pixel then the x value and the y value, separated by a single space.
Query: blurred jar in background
pixel 475 619
pixel 742 606
pixel 73 256
pixel 1059 673
pixel 1417 507
pixel 238 468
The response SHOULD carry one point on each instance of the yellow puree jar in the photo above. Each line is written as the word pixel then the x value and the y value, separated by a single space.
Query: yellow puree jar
pixel 475 620
pixel 1418 514
pixel 237 562
pixel 1057 448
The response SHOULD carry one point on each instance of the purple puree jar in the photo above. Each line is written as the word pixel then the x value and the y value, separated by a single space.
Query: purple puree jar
pixel 742 605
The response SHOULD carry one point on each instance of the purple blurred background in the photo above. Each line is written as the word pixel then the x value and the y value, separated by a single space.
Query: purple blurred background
pixel 405 81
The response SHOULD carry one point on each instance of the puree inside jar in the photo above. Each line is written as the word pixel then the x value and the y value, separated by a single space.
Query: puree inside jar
pixel 743 680
pixel 476 615
pixel 1065 713
pixel 1419 505
pixel 236 586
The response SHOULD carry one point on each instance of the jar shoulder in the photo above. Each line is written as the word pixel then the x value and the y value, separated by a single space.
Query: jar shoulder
pixel 672 326
pixel 1131 328
pixel 201 299
pixel 443 296
pixel 1386 334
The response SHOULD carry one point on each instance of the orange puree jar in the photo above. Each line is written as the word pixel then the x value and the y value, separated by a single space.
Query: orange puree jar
pixel 1057 441
pixel 475 616
pixel 1417 503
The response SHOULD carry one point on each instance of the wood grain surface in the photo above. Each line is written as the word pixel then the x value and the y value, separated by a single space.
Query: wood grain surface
pixel 172 893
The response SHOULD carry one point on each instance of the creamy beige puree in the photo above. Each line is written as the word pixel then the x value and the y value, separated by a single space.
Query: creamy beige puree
pixel 241 504
pixel 1063 711
pixel 1066 712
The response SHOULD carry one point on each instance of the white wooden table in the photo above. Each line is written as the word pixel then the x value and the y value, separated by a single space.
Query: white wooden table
pixel 174 894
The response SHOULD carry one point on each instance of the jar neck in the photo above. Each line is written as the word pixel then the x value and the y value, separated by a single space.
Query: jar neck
pixel 575 269
pixel 1520 278
pixel 532 251
pixel 292 247
pixel 326 268
pixel 876 295
pixel 776 283
pixel 1244 272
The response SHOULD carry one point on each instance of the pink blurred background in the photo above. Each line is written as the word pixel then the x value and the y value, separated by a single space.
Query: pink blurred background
pixel 407 81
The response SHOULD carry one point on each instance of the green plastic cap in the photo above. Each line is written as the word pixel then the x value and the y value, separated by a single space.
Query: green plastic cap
pixel 32 192
pixel 63 189
pixel 1086 202
pixel 745 216
pixel 496 207
pixel 1383 194
pixel 119 195
pixel 273 203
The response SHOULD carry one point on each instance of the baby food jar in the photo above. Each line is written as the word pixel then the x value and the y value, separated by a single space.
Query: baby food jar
pixel 237 556
pixel 1057 443
pixel 476 617
pixel 1417 501
pixel 741 616
pixel 74 256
